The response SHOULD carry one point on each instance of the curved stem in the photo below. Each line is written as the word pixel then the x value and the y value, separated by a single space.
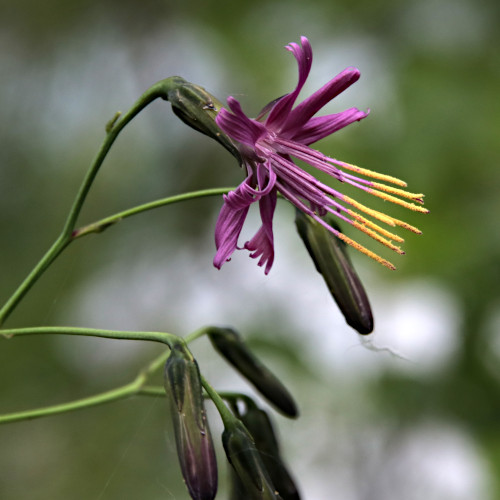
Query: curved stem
pixel 164 338
pixel 135 388
pixel 160 89
pixel 114 127
pixel 105 397
pixel 102 224
pixel 196 334
pixel 227 417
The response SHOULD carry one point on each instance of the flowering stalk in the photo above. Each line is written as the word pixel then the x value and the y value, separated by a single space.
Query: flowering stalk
pixel 267 145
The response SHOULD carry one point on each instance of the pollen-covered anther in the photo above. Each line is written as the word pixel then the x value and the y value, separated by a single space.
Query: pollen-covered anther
pixel 367 252
pixel 372 174
pixel 369 211
pixel 375 227
pixel 377 237
pixel 397 201
pixel 407 226
pixel 399 192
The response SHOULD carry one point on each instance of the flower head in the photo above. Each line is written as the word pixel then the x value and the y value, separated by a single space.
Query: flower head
pixel 268 144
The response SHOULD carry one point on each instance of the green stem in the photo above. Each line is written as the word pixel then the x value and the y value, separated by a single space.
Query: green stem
pixel 101 225
pixel 160 89
pixel 227 417
pixel 151 390
pixel 105 397
pixel 135 388
pixel 196 334
pixel 164 338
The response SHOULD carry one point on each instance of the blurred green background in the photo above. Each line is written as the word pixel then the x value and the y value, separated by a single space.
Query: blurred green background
pixel 422 422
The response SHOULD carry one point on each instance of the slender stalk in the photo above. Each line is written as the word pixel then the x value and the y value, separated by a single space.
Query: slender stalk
pixel 151 390
pixel 164 338
pixel 196 334
pixel 135 388
pixel 105 397
pixel 160 89
pixel 101 225
pixel 226 415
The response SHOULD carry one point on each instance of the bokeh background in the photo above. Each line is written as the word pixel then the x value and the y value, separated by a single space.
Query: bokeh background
pixel 411 413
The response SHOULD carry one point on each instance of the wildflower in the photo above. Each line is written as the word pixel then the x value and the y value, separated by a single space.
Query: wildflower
pixel 267 146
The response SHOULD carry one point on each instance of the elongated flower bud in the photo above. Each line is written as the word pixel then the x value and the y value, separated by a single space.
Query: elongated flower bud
pixel 259 425
pixel 192 434
pixel 247 464
pixel 198 109
pixel 330 257
pixel 230 345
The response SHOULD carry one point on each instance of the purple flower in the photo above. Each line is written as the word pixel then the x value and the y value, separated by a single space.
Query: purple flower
pixel 267 147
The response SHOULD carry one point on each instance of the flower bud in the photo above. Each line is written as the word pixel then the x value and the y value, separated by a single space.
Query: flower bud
pixel 330 257
pixel 247 464
pixel 259 425
pixel 198 109
pixel 192 434
pixel 232 347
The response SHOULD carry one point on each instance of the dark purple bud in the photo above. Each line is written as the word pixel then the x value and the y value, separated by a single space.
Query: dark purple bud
pixel 232 347
pixel 192 434
pixel 247 464
pixel 329 255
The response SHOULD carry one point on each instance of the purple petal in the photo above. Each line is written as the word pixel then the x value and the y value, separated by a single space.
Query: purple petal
pixel 283 107
pixel 323 126
pixel 310 106
pixel 230 221
pixel 262 244
pixel 237 125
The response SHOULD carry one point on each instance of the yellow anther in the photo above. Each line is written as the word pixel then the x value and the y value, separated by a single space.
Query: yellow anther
pixel 377 237
pixel 367 252
pixel 372 174
pixel 397 201
pixel 375 227
pixel 373 213
pixel 400 192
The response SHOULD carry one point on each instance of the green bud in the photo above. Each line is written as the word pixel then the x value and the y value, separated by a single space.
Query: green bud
pixel 329 255
pixel 198 109
pixel 192 434
pixel 247 464
pixel 232 347
pixel 259 425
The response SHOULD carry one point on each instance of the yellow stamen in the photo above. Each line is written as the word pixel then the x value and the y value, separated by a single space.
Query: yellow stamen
pixel 400 192
pixel 373 213
pixel 377 237
pixel 404 225
pixel 375 227
pixel 372 174
pixel 397 201
pixel 367 252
